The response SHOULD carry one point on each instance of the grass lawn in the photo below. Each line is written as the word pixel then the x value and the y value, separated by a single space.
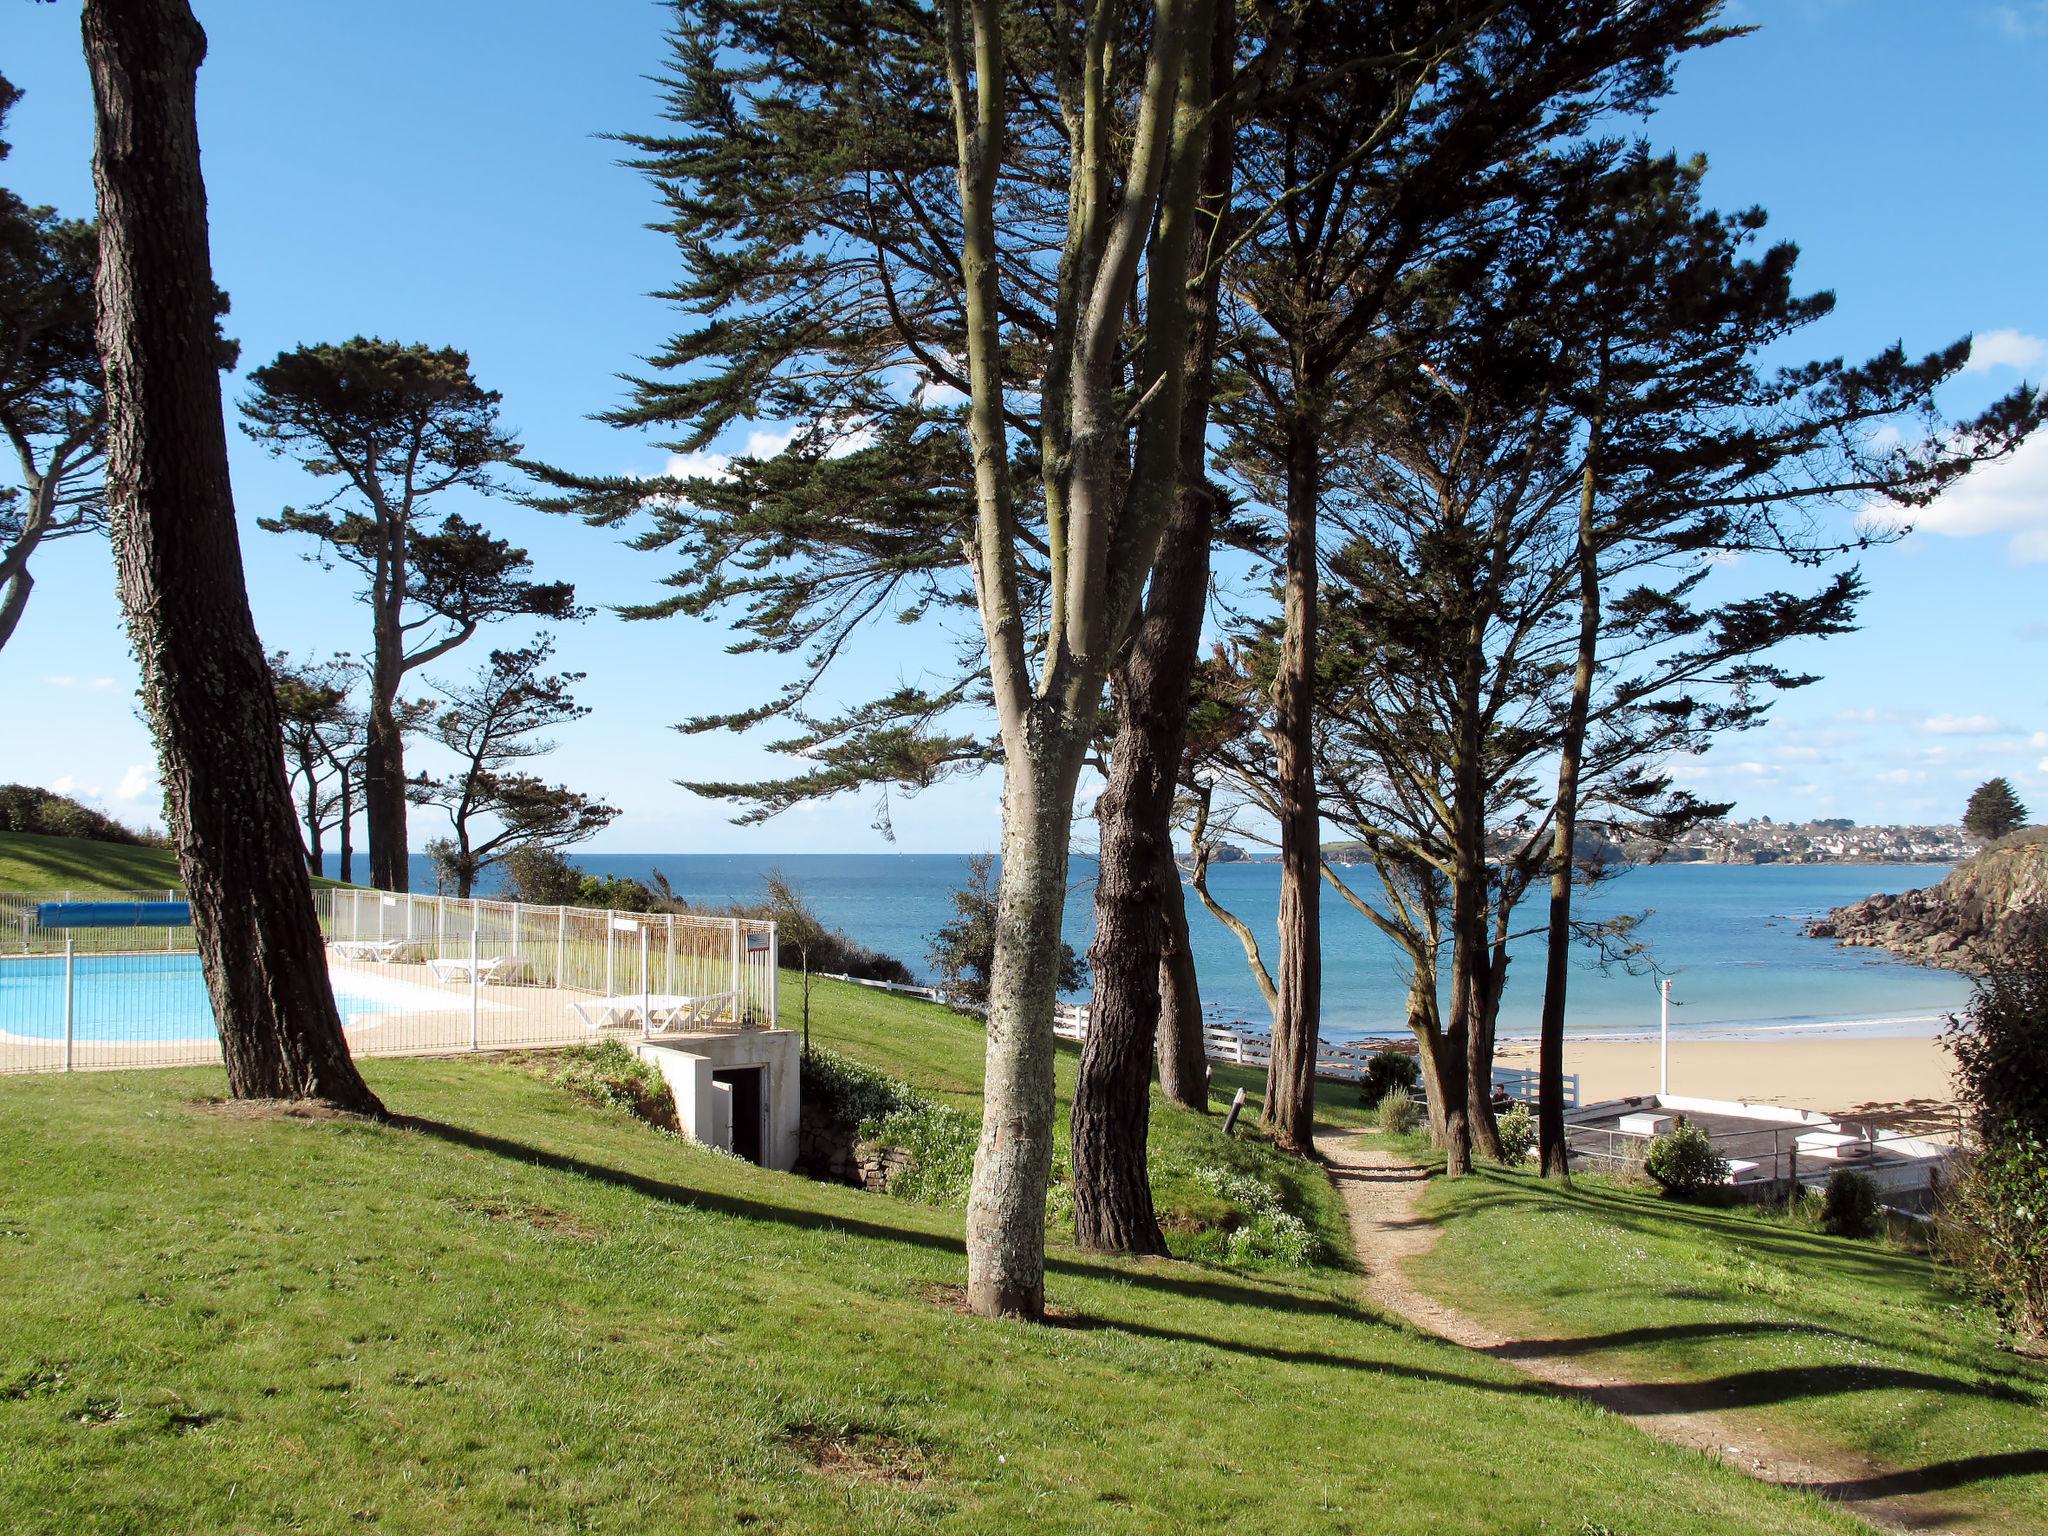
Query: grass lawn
pixel 1834 1342
pixel 32 862
pixel 518 1311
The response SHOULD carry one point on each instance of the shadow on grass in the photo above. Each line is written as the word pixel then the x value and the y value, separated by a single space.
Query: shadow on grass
pixel 1935 1477
pixel 1180 1281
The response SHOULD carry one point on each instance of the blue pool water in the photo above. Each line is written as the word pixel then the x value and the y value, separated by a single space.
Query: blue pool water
pixel 120 998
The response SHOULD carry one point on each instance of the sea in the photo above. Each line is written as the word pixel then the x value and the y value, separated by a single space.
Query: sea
pixel 1727 935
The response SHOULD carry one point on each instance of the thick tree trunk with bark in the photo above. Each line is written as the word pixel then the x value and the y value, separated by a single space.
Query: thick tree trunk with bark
pixel 1183 1054
pixel 1139 916
pixel 384 751
pixel 1550 1138
pixel 205 682
pixel 1112 1096
pixel 1290 1083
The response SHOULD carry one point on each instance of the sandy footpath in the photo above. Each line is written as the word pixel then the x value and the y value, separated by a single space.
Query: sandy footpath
pixel 1839 1074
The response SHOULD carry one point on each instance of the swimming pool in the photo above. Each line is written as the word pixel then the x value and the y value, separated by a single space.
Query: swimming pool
pixel 128 998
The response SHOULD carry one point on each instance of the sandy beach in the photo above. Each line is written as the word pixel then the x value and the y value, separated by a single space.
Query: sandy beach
pixel 1906 1078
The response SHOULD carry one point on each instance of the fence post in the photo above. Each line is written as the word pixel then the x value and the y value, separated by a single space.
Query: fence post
pixel 68 993
pixel 475 985
pixel 561 945
pixel 774 971
pixel 611 935
pixel 646 1004
pixel 738 977
pixel 515 933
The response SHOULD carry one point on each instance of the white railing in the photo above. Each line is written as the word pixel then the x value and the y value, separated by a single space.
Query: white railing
pixel 412 975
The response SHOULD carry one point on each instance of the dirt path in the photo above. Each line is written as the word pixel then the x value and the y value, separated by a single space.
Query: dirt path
pixel 1381 1192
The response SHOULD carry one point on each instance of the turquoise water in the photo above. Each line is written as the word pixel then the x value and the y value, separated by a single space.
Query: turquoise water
pixel 1729 935
pixel 123 998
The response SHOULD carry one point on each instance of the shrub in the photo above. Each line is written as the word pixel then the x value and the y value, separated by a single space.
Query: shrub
pixel 608 1073
pixel 1849 1208
pixel 1684 1162
pixel 938 1138
pixel 25 808
pixel 1389 1068
pixel 1517 1135
pixel 1397 1113
pixel 1998 1214
pixel 1265 1230
pixel 963 951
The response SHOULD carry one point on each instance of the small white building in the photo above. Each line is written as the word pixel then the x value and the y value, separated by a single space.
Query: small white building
pixel 735 1089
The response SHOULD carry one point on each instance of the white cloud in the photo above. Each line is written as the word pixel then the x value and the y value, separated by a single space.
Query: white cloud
pixel 138 781
pixel 66 680
pixel 1900 776
pixel 2008 497
pixel 701 465
pixel 2004 349
pixel 2038 739
pixel 1964 725
pixel 2028 18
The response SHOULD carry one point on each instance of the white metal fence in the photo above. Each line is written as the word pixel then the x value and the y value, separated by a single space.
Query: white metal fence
pixel 412 974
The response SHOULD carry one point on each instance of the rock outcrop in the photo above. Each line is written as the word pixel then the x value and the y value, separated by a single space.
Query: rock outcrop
pixel 1960 924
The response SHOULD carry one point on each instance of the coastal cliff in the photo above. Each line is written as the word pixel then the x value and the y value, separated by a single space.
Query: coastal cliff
pixel 1962 922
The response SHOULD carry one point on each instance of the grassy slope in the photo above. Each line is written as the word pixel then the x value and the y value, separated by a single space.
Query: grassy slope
pixel 937 1050
pixel 1836 1342
pixel 527 1313
pixel 31 862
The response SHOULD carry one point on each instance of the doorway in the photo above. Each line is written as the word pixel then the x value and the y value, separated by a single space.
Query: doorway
pixel 749 1104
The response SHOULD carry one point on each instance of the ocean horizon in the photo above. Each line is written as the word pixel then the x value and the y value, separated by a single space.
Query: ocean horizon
pixel 1729 936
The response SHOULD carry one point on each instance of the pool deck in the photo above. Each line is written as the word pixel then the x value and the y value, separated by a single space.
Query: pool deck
pixel 420 1017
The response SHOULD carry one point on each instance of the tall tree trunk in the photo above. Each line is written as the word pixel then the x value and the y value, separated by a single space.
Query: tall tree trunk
pixel 1550 1138
pixel 1470 887
pixel 1291 1078
pixel 314 856
pixel 1137 895
pixel 384 792
pixel 1112 1095
pixel 205 682
pixel 1013 1161
pixel 347 830
pixel 1183 1054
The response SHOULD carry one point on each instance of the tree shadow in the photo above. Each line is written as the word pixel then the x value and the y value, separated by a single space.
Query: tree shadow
pixel 1181 1279
pixel 1935 1477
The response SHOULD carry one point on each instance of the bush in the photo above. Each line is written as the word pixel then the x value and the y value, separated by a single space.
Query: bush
pixel 609 1074
pixel 1398 1113
pixel 1849 1208
pixel 1389 1068
pixel 25 808
pixel 1265 1230
pixel 871 1107
pixel 1517 1135
pixel 1684 1162
pixel 963 951
pixel 1998 1214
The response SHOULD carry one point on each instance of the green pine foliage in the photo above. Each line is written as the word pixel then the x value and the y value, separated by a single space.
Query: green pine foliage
pixel 1994 811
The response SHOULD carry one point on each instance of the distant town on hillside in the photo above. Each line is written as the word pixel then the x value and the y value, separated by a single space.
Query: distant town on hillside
pixel 1833 840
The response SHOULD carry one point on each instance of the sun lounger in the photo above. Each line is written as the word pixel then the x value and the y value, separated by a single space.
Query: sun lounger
pixel 1832 1146
pixel 382 951
pixel 488 968
pixel 656 1010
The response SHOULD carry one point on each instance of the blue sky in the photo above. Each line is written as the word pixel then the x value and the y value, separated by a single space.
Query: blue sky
pixel 433 172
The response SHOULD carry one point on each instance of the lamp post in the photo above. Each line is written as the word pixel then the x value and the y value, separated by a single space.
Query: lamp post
pixel 1664 1039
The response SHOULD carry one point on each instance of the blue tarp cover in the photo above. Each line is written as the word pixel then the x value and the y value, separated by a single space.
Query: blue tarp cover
pixel 114 914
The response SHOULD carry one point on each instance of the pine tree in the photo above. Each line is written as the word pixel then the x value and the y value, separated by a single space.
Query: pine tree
pixel 399 425
pixel 1994 811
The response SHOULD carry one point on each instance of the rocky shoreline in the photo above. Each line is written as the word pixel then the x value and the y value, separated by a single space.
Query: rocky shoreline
pixel 1960 924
